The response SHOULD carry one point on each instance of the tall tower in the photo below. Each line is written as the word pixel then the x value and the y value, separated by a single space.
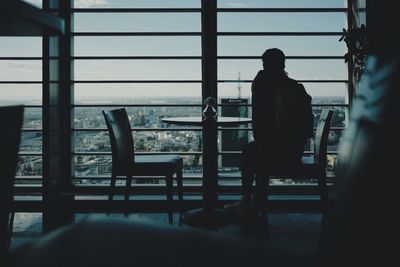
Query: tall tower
pixel 234 140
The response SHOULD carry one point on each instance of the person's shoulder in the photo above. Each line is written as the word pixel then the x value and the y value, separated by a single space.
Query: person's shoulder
pixel 260 75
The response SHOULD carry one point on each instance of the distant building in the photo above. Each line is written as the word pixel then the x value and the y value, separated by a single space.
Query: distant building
pixel 233 140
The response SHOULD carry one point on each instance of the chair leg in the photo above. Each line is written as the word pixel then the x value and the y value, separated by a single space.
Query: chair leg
pixel 323 189
pixel 179 181
pixel 127 191
pixel 169 183
pixel 111 192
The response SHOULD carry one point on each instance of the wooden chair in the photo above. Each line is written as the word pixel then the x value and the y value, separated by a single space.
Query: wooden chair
pixel 312 167
pixel 10 135
pixel 126 163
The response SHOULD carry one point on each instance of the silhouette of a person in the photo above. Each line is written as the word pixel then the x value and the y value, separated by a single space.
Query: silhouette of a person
pixel 282 122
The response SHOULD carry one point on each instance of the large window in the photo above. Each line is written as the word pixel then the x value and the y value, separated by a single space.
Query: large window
pixel 21 84
pixel 146 56
pixel 308 33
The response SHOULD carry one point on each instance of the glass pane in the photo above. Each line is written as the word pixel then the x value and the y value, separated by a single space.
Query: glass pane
pixel 98 165
pixel 31 142
pixel 281 3
pixel 297 69
pixel 327 93
pixel 137 69
pixel 32 118
pixel 37 3
pixel 29 166
pixel 137 22
pixel 140 117
pixel 290 45
pixel 20 70
pixel 281 22
pixel 136 4
pixel 161 93
pixel 16 94
pixel 20 46
pixel 144 141
pixel 137 46
pixel 231 90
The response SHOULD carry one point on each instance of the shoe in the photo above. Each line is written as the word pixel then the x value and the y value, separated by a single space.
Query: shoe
pixel 238 208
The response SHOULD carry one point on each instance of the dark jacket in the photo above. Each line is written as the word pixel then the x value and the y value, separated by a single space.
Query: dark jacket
pixel 282 115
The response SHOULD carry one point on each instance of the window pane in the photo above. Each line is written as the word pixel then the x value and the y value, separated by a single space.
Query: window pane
pixel 14 94
pixel 327 93
pixel 97 165
pixel 137 69
pixel 290 45
pixel 28 166
pixel 281 3
pixel 37 3
pixel 297 69
pixel 20 70
pixel 31 142
pixel 32 118
pixel 137 46
pixel 140 117
pixel 137 22
pixel 136 4
pixel 281 22
pixel 187 93
pixel 20 46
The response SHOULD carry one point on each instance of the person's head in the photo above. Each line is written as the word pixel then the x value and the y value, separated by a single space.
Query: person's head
pixel 274 60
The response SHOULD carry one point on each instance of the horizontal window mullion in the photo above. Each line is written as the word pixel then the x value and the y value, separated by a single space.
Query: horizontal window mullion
pixel 28 154
pixel 236 152
pixel 186 81
pixel 287 57
pixel 280 33
pixel 20 82
pixel 302 81
pixel 134 57
pixel 31 130
pixel 136 81
pixel 138 153
pixel 192 57
pixel 284 10
pixel 139 129
pixel 138 105
pixel 21 58
pixel 136 10
pixel 135 34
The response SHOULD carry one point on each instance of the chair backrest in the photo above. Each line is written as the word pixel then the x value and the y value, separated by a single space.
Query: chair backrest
pixel 10 135
pixel 321 136
pixel 120 132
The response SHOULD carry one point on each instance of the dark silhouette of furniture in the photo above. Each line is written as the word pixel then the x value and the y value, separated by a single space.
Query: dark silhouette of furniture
pixel 209 216
pixel 310 167
pixel 126 163
pixel 10 134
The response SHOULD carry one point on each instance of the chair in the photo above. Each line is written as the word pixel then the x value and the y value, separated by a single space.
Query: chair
pixel 126 163
pixel 313 167
pixel 11 118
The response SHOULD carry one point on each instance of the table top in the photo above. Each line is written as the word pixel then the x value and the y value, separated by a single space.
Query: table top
pixel 198 121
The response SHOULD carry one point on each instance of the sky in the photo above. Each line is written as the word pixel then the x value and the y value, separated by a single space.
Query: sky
pixel 183 46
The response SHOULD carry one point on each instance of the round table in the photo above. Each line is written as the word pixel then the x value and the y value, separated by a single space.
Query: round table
pixel 209 216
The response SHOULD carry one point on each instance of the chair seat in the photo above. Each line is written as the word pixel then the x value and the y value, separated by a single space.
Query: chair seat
pixel 156 164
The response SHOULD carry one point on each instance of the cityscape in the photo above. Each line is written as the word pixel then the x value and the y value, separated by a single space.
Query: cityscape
pixel 150 134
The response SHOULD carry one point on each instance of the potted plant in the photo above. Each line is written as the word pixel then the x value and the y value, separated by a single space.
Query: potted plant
pixel 357 45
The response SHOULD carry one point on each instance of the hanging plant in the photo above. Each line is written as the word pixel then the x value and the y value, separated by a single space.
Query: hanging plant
pixel 357 45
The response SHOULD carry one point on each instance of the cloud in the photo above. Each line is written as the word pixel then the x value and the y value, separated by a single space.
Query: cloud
pixel 91 3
